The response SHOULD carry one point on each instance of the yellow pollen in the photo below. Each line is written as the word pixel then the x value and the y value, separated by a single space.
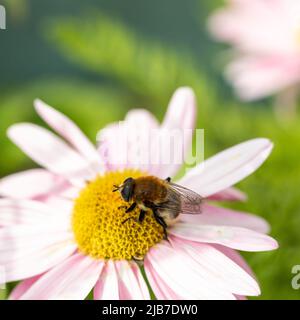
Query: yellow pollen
pixel 98 226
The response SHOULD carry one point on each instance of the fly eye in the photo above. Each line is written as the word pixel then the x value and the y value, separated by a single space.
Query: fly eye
pixel 127 189
pixel 126 192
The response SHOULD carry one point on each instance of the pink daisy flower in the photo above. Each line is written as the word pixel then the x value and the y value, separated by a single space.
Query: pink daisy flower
pixel 61 229
pixel 266 37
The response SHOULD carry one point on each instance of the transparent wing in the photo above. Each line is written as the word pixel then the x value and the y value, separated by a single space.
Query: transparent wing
pixel 190 201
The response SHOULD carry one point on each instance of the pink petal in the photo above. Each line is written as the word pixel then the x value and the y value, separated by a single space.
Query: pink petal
pixel 158 285
pixel 219 268
pixel 70 131
pixel 107 286
pixel 61 204
pixel 217 216
pixel 129 284
pixel 33 238
pixel 16 239
pixel 140 143
pixel 229 236
pixel 22 287
pixel 31 184
pixel 120 143
pixel 29 212
pixel 181 115
pixel 121 280
pixel 236 257
pixel 70 193
pixel 181 273
pixel 50 152
pixel 229 194
pixel 30 262
pixel 141 281
pixel 108 146
pixel 254 76
pixel 228 167
pixel 72 279
pixel 234 24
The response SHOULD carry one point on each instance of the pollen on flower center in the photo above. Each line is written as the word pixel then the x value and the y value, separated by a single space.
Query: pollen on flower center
pixel 98 226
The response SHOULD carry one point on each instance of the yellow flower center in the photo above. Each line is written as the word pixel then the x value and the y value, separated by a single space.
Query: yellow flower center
pixel 98 226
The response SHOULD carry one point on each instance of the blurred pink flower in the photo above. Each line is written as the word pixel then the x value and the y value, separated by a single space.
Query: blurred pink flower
pixel 200 261
pixel 266 37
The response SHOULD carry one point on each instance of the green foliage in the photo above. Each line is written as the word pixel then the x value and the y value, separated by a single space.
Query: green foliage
pixel 17 9
pixel 3 294
pixel 213 4
pixel 147 68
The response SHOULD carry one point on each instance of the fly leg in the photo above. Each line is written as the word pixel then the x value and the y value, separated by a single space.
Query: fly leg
pixel 157 217
pixel 142 216
pixel 130 218
pixel 162 222
pixel 129 209
pixel 140 219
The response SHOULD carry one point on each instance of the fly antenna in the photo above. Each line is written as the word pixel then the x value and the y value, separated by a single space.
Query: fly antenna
pixel 116 188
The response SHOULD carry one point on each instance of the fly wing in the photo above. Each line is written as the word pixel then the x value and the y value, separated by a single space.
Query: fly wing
pixel 190 200
pixel 172 204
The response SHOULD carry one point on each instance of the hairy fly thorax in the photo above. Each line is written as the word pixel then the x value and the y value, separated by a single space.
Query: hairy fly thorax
pixel 150 189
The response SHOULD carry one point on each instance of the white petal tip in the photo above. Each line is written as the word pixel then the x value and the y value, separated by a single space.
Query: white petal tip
pixel 12 131
pixel 263 141
pixel 37 101
pixel 256 292
pixel 263 146
pixel 185 91
pixel 275 244
pixel 269 145
pixel 182 106
pixel 270 244
pixel 39 105
pixel 16 130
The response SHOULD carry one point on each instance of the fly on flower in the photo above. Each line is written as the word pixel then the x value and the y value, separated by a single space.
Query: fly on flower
pixel 64 237
pixel 165 199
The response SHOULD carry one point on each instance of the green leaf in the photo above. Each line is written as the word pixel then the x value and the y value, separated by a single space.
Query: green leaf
pixel 143 66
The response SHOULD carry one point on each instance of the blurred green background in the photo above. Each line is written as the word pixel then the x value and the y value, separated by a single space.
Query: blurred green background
pixel 94 60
